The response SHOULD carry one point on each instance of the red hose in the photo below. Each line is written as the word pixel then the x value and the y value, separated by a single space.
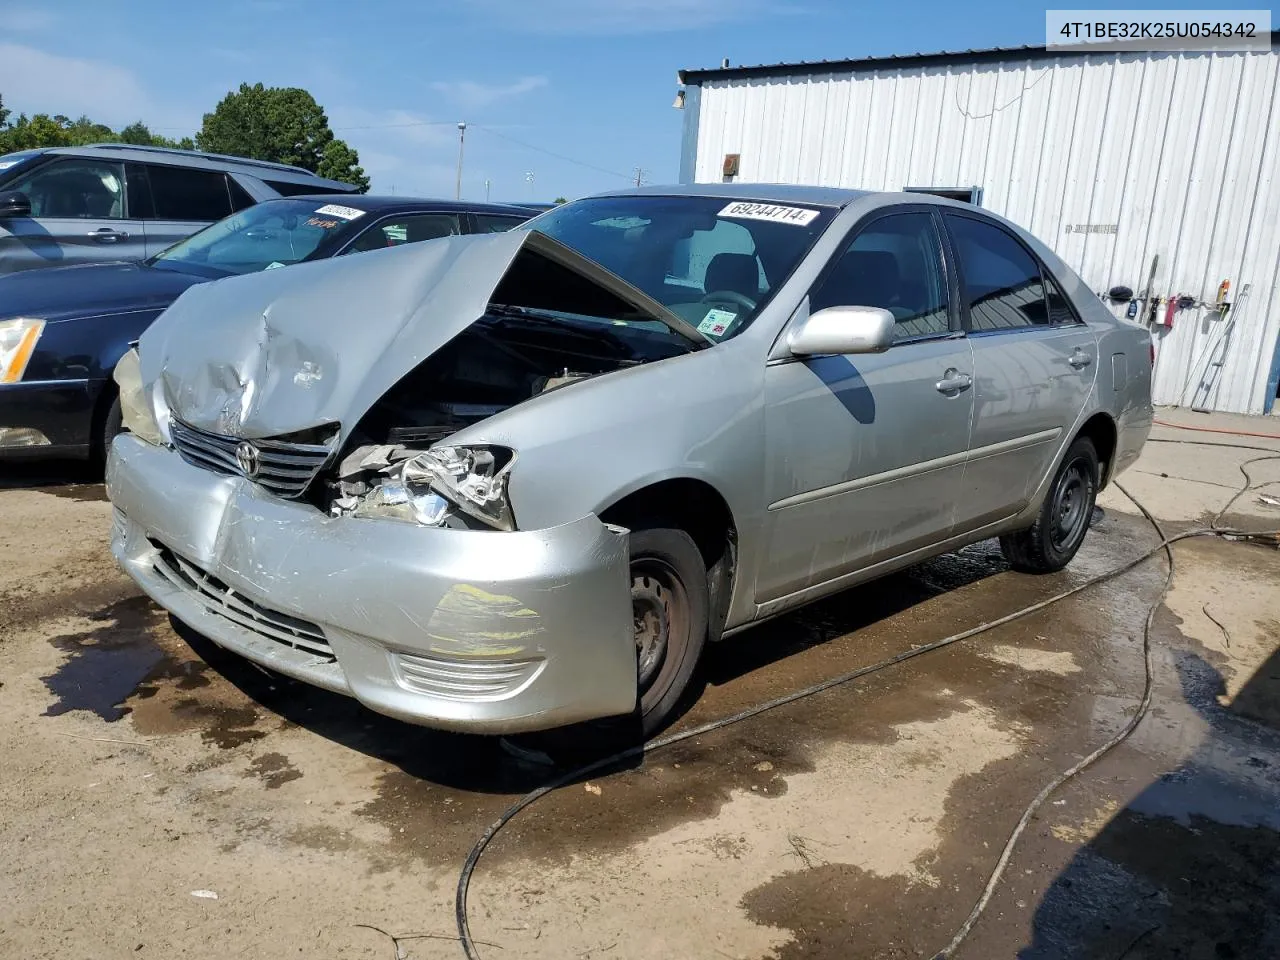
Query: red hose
pixel 1234 433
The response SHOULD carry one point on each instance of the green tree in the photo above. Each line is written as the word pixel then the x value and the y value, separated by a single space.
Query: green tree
pixel 559 200
pixel 26 133
pixel 4 114
pixel 280 124
pixel 342 163
pixel 139 134
pixel 84 130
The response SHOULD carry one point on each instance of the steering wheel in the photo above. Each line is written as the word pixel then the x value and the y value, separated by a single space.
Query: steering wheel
pixel 730 296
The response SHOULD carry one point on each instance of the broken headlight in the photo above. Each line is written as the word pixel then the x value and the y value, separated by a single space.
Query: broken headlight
pixel 427 487
pixel 474 479
pixel 137 412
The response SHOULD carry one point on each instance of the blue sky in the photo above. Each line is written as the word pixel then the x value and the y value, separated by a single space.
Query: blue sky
pixel 590 80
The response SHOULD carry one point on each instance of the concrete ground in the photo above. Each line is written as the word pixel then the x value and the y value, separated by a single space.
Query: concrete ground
pixel 142 771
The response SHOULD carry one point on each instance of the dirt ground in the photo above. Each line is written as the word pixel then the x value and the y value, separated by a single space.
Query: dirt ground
pixel 159 798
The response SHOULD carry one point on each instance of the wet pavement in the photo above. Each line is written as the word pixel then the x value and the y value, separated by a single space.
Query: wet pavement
pixel 145 763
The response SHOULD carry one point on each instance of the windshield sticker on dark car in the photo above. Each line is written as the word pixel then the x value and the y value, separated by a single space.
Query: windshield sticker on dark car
pixel 337 210
pixel 716 322
pixel 322 223
pixel 742 210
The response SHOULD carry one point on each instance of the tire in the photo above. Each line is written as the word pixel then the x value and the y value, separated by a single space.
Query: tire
pixel 670 601
pixel 1051 542
pixel 112 424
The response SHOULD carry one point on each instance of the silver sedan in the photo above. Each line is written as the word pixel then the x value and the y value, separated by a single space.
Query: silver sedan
pixel 514 482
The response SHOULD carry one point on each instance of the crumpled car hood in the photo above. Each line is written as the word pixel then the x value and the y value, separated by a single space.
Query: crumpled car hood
pixel 283 351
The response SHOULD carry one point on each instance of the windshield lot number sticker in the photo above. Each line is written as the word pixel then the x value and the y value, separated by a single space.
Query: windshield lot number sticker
pixel 769 211
pixel 337 210
pixel 716 322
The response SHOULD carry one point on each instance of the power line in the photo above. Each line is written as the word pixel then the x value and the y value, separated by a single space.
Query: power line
pixel 394 126
pixel 551 153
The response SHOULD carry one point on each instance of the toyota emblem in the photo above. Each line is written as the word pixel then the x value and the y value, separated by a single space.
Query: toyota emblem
pixel 248 458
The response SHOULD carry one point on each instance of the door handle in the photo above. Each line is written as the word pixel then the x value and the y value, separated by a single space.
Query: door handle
pixel 1080 359
pixel 953 381
pixel 107 235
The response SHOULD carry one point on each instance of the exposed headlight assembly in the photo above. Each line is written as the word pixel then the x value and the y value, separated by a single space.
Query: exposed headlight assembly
pixel 137 412
pixel 17 342
pixel 427 487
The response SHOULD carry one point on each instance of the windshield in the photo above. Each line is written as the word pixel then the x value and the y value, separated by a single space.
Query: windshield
pixel 10 162
pixel 712 261
pixel 272 234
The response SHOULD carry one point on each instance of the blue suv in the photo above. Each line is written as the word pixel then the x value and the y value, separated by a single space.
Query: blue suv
pixel 69 205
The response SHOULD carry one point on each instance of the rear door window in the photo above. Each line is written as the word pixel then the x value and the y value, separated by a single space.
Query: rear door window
pixel 180 193
pixel 75 188
pixel 287 188
pixel 240 198
pixel 1000 280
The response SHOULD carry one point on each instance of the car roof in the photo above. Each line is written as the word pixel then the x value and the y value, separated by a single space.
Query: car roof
pixel 199 160
pixel 392 204
pixel 764 192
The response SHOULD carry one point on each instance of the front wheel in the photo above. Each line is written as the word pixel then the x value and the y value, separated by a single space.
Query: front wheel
pixel 669 607
pixel 1051 542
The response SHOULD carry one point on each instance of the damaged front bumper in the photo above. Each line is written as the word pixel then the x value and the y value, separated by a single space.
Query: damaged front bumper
pixel 469 630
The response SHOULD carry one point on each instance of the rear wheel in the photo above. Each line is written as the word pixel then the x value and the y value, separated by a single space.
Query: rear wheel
pixel 1051 542
pixel 669 607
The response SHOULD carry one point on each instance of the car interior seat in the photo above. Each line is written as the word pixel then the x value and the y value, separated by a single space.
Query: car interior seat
pixel 736 272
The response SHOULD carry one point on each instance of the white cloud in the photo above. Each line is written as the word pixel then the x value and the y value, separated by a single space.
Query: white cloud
pixel 623 16
pixel 34 81
pixel 20 19
pixel 470 94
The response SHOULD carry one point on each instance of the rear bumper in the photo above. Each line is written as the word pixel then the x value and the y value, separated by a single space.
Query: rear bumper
pixel 479 631
pixel 52 418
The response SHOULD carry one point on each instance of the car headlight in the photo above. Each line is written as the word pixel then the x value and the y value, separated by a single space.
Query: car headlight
pixel 427 487
pixel 17 342
pixel 137 413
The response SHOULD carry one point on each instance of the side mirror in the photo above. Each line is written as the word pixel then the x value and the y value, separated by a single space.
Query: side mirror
pixel 842 330
pixel 14 203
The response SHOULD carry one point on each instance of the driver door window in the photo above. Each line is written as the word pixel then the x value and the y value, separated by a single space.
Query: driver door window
pixel 895 263
pixel 81 189
pixel 406 229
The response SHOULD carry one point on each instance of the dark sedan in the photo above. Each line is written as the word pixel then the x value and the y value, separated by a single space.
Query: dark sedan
pixel 63 329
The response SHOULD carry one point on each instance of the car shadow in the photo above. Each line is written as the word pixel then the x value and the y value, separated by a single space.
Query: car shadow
pixel 76 479
pixel 486 764
pixel 1190 867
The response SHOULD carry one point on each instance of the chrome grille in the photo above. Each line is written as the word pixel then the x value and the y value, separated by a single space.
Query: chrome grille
pixel 220 600
pixel 285 469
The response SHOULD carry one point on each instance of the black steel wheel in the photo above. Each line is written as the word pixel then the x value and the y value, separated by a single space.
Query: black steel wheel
pixel 669 604
pixel 1051 542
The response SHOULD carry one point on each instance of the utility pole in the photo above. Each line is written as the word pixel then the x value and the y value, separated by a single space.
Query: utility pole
pixel 462 138
pixel 640 172
pixel 486 190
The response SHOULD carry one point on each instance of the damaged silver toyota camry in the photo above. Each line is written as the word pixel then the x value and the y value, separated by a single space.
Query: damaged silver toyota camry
pixel 514 482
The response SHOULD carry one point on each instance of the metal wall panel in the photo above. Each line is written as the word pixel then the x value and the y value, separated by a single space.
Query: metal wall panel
pixel 1180 152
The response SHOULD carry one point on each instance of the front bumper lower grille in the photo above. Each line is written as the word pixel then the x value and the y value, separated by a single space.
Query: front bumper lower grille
pixel 280 467
pixel 220 600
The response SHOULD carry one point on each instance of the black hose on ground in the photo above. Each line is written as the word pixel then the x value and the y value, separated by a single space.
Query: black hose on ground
pixel 1165 544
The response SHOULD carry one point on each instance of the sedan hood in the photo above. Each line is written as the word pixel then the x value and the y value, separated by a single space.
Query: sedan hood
pixel 284 351
pixel 89 290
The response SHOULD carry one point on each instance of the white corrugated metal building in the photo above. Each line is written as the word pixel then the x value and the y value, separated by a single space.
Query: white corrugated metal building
pixel 1116 160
